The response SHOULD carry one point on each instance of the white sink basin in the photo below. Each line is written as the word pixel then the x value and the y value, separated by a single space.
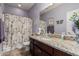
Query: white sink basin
pixel 46 38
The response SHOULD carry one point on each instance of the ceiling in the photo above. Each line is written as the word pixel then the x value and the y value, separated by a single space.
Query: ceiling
pixel 25 6
pixel 50 7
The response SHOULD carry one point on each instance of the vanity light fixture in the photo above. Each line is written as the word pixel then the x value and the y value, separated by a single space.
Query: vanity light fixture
pixel 19 5
pixel 50 3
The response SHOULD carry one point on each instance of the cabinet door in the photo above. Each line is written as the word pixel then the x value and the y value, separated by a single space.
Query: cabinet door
pixel 37 51
pixel 45 48
pixel 60 53
pixel 44 54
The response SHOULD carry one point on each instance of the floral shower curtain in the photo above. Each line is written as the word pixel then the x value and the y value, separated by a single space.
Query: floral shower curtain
pixel 17 30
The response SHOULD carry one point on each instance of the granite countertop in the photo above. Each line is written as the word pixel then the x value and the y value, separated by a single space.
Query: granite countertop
pixel 69 46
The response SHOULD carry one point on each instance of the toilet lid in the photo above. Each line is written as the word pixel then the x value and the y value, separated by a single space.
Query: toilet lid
pixel 26 43
pixel 19 46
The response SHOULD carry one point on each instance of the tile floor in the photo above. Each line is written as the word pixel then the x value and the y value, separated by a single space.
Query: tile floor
pixel 17 52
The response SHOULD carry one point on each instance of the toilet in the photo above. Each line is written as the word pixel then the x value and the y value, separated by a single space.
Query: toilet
pixel 25 45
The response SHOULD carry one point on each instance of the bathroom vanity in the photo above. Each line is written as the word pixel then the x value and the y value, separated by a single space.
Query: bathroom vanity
pixel 42 47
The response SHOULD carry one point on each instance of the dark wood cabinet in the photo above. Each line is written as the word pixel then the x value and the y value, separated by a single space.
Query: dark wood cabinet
pixel 37 51
pixel 31 47
pixel 38 48
pixel 60 53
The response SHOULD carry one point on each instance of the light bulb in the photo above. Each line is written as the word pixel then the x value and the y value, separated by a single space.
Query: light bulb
pixel 19 5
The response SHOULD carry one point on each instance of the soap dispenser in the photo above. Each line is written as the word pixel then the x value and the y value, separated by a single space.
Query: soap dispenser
pixel 62 36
